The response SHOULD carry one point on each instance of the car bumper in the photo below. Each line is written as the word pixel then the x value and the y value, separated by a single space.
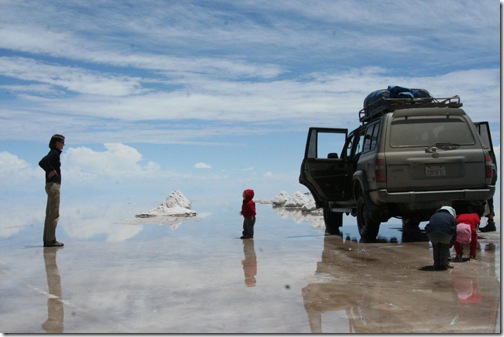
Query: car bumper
pixel 417 197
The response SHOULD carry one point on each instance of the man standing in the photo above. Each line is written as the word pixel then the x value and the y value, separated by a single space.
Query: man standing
pixel 51 165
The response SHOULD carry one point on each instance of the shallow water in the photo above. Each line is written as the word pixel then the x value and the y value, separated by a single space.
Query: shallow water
pixel 119 274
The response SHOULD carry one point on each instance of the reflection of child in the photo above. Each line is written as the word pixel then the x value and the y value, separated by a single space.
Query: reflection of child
pixel 248 211
pixel 467 287
pixel 249 263
pixel 472 221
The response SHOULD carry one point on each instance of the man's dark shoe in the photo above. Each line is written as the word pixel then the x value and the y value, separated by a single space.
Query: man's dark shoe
pixel 490 227
pixel 53 243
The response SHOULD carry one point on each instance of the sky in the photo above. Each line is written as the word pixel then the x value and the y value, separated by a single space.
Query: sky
pixel 212 97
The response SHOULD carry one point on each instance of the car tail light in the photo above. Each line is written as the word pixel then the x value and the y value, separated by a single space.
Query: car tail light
pixel 488 166
pixel 380 171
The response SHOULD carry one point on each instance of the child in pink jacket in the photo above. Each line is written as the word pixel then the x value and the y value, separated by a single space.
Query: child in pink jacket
pixel 473 220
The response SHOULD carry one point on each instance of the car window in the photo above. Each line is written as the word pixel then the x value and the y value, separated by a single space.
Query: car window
pixel 370 138
pixel 426 131
pixel 360 141
pixel 329 144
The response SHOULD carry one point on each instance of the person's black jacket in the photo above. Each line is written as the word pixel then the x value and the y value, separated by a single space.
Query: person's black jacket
pixel 442 222
pixel 52 162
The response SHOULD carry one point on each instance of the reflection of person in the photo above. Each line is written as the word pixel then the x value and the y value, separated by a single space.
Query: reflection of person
pixel 471 220
pixel 249 263
pixel 442 233
pixel 51 165
pixel 249 212
pixel 467 288
pixel 55 312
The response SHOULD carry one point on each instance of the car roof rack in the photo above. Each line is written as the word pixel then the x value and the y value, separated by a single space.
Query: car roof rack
pixel 383 105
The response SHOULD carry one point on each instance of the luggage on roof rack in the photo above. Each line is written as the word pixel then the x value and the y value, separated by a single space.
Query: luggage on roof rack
pixel 394 97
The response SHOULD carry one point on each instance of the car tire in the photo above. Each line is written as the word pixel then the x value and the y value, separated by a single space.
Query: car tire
pixel 333 221
pixel 411 229
pixel 368 226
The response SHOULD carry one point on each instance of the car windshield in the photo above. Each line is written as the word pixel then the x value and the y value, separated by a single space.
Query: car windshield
pixel 425 131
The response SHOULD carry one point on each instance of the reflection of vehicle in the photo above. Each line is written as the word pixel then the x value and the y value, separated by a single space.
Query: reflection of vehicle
pixel 407 159
pixel 350 292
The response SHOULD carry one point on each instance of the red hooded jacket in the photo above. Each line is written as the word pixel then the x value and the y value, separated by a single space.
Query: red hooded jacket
pixel 248 206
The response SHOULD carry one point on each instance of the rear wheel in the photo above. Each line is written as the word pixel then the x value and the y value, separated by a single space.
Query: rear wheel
pixel 368 225
pixel 410 222
pixel 410 229
pixel 333 221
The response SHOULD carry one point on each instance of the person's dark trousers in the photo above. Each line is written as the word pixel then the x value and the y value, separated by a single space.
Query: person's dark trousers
pixel 440 249
pixel 248 227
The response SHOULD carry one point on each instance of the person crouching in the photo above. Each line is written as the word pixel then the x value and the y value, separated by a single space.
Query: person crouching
pixel 467 227
pixel 442 233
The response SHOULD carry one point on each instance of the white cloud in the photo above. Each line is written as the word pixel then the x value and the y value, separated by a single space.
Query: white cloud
pixel 202 165
pixel 315 97
pixel 70 78
pixel 118 161
pixel 101 69
pixel 14 169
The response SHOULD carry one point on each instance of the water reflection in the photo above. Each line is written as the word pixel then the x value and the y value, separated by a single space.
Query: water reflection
pixel 55 310
pixel 388 232
pixel 173 221
pixel 474 297
pixel 315 219
pixel 360 289
pixel 249 263
pixel 467 286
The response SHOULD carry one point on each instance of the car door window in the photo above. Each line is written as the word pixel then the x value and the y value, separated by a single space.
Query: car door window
pixel 329 144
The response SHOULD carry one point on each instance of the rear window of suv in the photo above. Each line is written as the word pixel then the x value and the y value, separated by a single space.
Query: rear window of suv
pixel 425 131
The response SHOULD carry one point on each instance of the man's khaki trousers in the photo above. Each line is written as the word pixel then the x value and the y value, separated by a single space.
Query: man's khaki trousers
pixel 52 211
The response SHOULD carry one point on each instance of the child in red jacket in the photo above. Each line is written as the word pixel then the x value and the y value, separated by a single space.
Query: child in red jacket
pixel 473 220
pixel 248 211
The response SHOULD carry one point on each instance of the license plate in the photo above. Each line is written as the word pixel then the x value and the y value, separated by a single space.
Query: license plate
pixel 435 171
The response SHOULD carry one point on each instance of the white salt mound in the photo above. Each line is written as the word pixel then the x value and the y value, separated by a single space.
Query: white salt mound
pixel 297 200
pixel 176 204
pixel 304 201
pixel 280 199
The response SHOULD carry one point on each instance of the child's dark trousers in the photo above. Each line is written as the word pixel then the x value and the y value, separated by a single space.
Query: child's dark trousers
pixel 440 249
pixel 248 228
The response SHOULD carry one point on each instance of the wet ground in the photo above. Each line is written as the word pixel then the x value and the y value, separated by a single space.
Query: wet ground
pixel 118 274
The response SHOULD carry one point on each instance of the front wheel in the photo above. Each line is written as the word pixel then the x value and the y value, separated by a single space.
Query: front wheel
pixel 333 221
pixel 368 225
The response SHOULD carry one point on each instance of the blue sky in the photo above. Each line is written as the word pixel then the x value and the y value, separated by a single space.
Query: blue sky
pixel 217 96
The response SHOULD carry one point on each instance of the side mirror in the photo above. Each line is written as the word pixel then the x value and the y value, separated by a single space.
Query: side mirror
pixel 332 156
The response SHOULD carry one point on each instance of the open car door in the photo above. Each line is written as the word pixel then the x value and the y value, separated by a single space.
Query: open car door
pixel 484 132
pixel 323 171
